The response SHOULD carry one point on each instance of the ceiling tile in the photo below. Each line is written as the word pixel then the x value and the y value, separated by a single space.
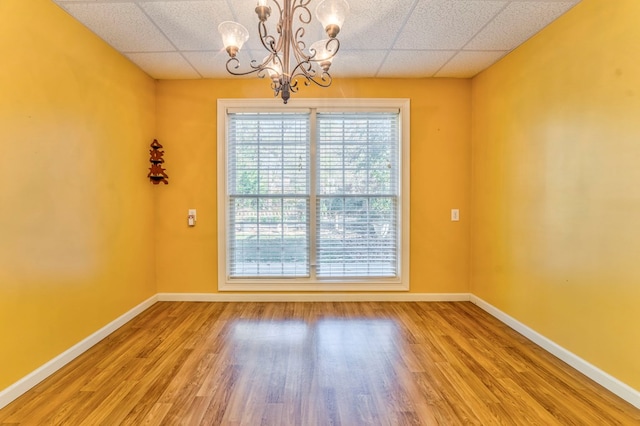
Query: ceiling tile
pixel 517 23
pixel 213 64
pixel 123 25
pixel 190 25
pixel 358 63
pixel 374 25
pixel 164 65
pixel 446 24
pixel 466 64
pixel 414 64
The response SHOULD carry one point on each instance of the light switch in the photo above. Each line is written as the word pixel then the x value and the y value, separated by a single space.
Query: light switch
pixel 191 217
pixel 455 215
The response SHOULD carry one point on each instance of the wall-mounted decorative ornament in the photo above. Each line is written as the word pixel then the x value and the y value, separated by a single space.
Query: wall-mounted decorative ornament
pixel 156 171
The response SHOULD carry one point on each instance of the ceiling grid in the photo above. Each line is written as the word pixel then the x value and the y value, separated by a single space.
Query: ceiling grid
pixel 178 39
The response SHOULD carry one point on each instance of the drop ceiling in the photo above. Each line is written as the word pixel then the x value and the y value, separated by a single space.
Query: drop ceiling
pixel 178 39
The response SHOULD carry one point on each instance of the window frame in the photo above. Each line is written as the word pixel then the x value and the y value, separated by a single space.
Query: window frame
pixel 399 283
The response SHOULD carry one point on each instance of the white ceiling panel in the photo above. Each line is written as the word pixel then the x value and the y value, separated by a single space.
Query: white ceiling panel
pixel 468 63
pixel 360 63
pixel 414 64
pixel 386 38
pixel 374 25
pixel 123 25
pixel 508 29
pixel 164 65
pixel 446 24
pixel 213 64
pixel 190 25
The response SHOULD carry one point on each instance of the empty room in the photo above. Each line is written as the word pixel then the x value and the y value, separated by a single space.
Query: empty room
pixel 319 212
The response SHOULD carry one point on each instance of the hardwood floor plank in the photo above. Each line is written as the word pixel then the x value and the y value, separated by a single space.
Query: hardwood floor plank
pixel 369 363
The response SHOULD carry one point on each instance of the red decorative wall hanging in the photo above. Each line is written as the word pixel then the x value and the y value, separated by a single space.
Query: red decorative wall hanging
pixel 156 172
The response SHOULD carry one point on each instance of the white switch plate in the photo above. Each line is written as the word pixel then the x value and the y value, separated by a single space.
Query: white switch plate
pixel 191 218
pixel 455 215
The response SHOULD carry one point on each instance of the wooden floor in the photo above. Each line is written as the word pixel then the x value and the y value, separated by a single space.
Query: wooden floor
pixel 317 364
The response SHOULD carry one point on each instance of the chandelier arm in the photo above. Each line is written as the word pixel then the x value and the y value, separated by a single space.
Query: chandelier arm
pixel 300 55
pixel 305 69
pixel 293 85
pixel 299 72
pixel 304 66
pixel 279 7
pixel 278 47
pixel 298 41
pixel 329 49
pixel 324 80
pixel 276 87
pixel 298 46
pixel 268 41
pixel 305 14
pixel 234 64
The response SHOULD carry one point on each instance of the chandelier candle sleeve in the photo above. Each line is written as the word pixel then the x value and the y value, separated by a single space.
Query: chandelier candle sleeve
pixel 262 10
pixel 290 59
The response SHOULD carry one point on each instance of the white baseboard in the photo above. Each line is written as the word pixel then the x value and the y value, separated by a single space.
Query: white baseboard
pixel 30 380
pixel 313 297
pixel 607 381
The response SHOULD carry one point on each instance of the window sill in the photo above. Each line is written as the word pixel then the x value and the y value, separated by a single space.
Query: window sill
pixel 324 286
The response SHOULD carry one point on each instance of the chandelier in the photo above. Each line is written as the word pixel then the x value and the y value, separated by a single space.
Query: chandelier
pixel 288 59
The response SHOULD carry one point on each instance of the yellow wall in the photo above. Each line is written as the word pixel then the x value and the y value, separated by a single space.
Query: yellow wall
pixel 440 167
pixel 553 166
pixel 556 185
pixel 76 237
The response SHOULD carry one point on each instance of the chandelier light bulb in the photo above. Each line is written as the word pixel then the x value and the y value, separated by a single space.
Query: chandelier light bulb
pixel 331 14
pixel 234 36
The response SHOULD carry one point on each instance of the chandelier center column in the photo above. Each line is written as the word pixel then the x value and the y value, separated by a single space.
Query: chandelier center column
pixel 287 35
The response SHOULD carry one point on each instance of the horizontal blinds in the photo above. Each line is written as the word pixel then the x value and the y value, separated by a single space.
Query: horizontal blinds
pixel 357 194
pixel 268 188
pixel 356 199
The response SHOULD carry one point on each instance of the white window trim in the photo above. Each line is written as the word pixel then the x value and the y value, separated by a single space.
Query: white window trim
pixel 399 283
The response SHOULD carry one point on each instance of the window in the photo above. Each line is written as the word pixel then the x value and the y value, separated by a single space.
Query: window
pixel 312 197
